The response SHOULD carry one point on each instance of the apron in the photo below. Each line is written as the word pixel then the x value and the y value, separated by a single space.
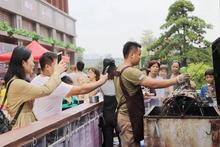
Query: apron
pixel 136 110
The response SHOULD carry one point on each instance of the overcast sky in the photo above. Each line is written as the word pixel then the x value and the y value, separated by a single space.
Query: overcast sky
pixel 103 26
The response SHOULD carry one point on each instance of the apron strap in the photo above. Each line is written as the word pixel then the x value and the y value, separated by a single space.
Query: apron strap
pixel 124 91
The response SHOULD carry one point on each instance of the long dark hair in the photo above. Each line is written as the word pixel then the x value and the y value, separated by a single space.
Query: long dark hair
pixel 15 67
pixel 110 63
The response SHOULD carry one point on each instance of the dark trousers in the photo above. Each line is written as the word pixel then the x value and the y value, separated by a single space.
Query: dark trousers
pixel 108 134
pixel 109 124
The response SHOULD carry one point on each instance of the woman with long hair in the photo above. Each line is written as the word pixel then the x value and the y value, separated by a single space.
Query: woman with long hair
pixel 20 91
pixel 110 102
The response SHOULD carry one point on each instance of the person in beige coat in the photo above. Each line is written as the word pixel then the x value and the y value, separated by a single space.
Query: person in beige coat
pixel 21 91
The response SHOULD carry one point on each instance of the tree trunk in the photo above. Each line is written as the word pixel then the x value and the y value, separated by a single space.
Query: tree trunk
pixel 184 63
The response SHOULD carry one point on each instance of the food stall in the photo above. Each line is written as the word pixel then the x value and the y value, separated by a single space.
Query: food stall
pixel 183 120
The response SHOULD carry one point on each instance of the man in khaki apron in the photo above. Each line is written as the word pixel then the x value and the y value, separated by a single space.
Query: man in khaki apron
pixel 128 82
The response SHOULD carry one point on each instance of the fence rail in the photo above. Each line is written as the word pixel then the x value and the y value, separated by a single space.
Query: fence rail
pixel 73 127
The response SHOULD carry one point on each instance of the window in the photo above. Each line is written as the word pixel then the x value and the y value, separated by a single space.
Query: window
pixel 59 36
pixel 44 31
pixel 27 25
pixel 5 16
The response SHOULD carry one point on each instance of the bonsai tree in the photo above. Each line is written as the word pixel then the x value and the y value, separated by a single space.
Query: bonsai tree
pixel 183 37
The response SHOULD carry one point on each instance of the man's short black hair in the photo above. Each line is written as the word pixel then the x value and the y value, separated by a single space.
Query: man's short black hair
pixel 47 58
pixel 80 66
pixel 130 46
pixel 67 80
pixel 209 72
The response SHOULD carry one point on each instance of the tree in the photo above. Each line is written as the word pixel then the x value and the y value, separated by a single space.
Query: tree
pixel 183 38
pixel 196 72
pixel 79 53
pixel 146 40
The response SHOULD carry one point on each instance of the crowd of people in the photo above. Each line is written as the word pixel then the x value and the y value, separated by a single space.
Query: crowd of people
pixel 124 89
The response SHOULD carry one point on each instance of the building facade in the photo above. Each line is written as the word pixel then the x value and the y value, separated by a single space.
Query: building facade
pixel 47 18
pixel 60 4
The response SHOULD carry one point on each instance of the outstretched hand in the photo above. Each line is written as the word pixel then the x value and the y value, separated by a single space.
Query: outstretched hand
pixel 103 78
pixel 182 78
pixel 60 67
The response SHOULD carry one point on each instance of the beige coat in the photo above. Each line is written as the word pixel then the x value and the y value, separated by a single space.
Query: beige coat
pixel 21 91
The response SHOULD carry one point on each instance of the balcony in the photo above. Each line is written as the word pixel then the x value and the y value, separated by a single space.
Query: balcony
pixel 41 12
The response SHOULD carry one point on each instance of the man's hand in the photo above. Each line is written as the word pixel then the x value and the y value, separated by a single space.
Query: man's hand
pixel 103 78
pixel 60 67
pixel 182 78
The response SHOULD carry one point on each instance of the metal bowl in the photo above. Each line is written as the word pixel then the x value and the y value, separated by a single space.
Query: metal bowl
pixel 94 99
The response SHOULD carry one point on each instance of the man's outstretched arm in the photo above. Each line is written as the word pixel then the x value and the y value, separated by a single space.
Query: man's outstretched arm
pixel 88 87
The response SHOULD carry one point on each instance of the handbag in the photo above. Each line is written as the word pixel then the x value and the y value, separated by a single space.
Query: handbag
pixel 5 124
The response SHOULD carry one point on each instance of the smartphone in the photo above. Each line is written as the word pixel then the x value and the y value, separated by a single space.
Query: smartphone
pixel 59 58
